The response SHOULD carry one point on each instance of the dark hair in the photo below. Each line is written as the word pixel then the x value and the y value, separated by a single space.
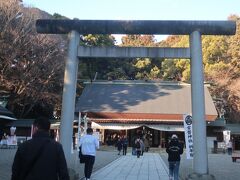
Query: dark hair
pixel 42 123
pixel 89 130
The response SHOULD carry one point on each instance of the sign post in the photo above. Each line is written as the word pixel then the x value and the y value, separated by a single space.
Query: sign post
pixel 187 119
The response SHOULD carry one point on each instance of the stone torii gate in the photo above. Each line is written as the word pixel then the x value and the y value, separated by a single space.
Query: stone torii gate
pixel 193 28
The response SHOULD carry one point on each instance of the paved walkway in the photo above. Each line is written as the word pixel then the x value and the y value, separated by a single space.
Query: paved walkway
pixel 103 158
pixel 220 165
pixel 150 166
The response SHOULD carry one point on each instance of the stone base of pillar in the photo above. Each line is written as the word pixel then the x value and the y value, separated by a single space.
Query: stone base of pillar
pixel 195 176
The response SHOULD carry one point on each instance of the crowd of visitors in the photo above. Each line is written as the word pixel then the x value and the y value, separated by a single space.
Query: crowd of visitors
pixel 122 144
pixel 43 154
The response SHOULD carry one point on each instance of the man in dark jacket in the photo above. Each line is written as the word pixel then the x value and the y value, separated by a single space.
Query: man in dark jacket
pixel 174 150
pixel 125 145
pixel 40 158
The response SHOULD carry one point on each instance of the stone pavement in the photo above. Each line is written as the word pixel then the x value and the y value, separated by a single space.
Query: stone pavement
pixel 6 159
pixel 150 166
pixel 103 158
pixel 220 165
pixel 108 166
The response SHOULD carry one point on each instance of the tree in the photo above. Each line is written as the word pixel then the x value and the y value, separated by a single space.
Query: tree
pixel 89 66
pixel 138 40
pixel 145 68
pixel 31 68
pixel 214 49
pixel 174 41
pixel 221 66
pixel 176 69
pixel 224 72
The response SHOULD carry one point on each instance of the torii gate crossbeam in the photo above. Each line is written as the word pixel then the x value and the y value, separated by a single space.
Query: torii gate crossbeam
pixel 133 52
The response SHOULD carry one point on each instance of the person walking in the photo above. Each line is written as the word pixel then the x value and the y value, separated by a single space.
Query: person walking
pixel 89 144
pixel 134 151
pixel 125 145
pixel 41 157
pixel 138 146
pixel 229 147
pixel 174 150
pixel 119 145
pixel 146 144
pixel 142 147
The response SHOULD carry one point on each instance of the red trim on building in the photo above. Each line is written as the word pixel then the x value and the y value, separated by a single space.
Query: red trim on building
pixel 140 117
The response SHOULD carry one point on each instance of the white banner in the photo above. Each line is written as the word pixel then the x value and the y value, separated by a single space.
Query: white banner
pixel 187 120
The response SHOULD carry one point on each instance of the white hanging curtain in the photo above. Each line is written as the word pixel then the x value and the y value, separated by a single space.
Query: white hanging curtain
pixel 122 126
pixel 7 117
pixel 114 126
pixel 164 127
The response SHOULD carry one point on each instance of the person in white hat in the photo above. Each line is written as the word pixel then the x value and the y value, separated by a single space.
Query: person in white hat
pixel 174 150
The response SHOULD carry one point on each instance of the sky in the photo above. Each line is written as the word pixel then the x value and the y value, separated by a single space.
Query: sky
pixel 140 9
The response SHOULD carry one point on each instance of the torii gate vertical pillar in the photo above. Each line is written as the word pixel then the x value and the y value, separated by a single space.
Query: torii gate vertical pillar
pixel 200 157
pixel 69 94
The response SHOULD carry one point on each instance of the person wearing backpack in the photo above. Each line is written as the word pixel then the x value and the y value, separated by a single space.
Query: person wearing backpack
pixel 174 150
pixel 138 146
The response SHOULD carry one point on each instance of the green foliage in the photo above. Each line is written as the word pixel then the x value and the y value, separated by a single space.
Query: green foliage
pixel 155 73
pixel 182 42
pixel 222 68
pixel 214 49
pixel 59 16
pixel 175 41
pixel 145 68
pixel 173 69
pixel 28 67
pixel 212 70
pixel 186 74
pixel 97 40
pixel 117 74
pixel 138 40
pixel 142 63
pixel 88 67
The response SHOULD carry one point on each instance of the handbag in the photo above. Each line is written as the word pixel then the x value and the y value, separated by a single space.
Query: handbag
pixel 81 156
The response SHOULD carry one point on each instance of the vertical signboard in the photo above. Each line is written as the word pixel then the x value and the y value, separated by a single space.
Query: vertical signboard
pixel 187 120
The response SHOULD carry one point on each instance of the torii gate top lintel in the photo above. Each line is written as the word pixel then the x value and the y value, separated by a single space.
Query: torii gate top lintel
pixel 56 26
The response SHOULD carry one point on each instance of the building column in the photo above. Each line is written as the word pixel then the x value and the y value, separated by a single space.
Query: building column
pixel 69 94
pixel 200 158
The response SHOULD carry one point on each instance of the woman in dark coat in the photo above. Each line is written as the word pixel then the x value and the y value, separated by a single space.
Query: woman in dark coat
pixel 119 146
pixel 174 150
